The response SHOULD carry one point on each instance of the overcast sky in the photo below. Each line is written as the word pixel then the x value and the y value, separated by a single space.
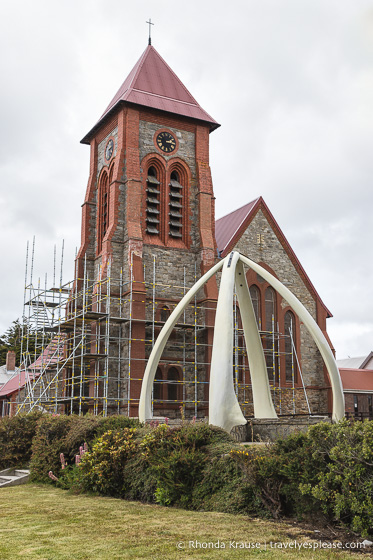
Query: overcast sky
pixel 290 81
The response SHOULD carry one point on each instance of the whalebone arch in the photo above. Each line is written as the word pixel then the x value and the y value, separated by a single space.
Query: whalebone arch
pixel 224 409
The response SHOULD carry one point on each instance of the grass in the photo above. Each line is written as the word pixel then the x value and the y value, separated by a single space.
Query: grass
pixel 45 523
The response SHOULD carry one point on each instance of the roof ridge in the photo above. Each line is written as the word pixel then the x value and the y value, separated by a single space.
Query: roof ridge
pixel 175 75
pixel 117 97
pixel 260 203
pixel 240 208
pixel 139 65
pixel 254 203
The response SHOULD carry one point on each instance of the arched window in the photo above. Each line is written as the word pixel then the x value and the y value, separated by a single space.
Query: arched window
pixel 103 210
pixel 153 202
pixel 270 340
pixel 175 214
pixel 157 386
pixel 270 309
pixel 290 344
pixel 172 386
pixel 255 298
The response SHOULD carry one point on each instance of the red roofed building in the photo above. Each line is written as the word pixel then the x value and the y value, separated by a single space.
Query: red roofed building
pixel 358 392
pixel 148 218
pixel 16 388
pixel 357 381
pixel 11 389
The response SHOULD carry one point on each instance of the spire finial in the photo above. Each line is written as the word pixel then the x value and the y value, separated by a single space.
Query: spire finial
pixel 150 38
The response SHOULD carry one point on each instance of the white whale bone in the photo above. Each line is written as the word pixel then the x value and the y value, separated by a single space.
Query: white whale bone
pixel 145 411
pixel 224 409
pixel 314 330
pixel 263 405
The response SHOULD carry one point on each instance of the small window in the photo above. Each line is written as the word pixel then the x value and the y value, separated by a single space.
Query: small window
pixel 255 298
pixel 153 202
pixel 269 341
pixel 270 309
pixel 175 215
pixel 370 406
pixel 356 405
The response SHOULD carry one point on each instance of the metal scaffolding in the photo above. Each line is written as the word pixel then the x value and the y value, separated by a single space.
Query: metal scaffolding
pixel 88 356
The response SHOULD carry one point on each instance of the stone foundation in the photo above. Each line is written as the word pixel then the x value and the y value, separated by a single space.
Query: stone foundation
pixel 270 430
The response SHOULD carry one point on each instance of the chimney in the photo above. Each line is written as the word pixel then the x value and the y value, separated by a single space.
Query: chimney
pixel 11 361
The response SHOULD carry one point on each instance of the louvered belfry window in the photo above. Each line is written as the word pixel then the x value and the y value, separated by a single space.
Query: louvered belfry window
pixel 175 207
pixel 153 202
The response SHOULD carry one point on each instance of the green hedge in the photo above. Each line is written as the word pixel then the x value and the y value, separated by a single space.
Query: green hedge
pixel 58 434
pixel 16 435
pixel 42 437
pixel 326 471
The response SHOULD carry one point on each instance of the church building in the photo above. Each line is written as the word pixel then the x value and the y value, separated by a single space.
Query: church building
pixel 148 234
pixel 148 226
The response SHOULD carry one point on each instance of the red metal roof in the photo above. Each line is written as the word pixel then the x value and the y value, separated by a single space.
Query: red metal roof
pixel 227 226
pixel 357 379
pixel 229 229
pixel 18 381
pixel 49 357
pixel 153 84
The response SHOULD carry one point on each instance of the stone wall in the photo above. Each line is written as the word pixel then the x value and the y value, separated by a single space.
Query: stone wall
pixel 270 251
pixel 186 143
pixel 101 159
pixel 260 243
pixel 270 430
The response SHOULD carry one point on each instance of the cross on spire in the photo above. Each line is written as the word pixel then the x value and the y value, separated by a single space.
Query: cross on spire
pixel 150 23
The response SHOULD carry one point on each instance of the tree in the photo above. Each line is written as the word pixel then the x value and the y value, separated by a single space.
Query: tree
pixel 12 340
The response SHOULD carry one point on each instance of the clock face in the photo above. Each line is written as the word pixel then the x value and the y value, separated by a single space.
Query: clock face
pixel 109 149
pixel 166 142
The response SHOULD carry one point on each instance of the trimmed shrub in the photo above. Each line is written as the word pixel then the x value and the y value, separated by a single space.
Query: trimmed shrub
pixel 48 444
pixel 162 464
pixel 326 471
pixel 58 434
pixel 178 457
pixel 101 470
pixel 16 435
pixel 344 489
pixel 223 486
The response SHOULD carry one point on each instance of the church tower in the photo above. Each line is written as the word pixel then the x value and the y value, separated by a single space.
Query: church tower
pixel 148 224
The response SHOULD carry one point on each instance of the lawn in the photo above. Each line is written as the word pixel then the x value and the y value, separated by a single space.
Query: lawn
pixel 45 523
